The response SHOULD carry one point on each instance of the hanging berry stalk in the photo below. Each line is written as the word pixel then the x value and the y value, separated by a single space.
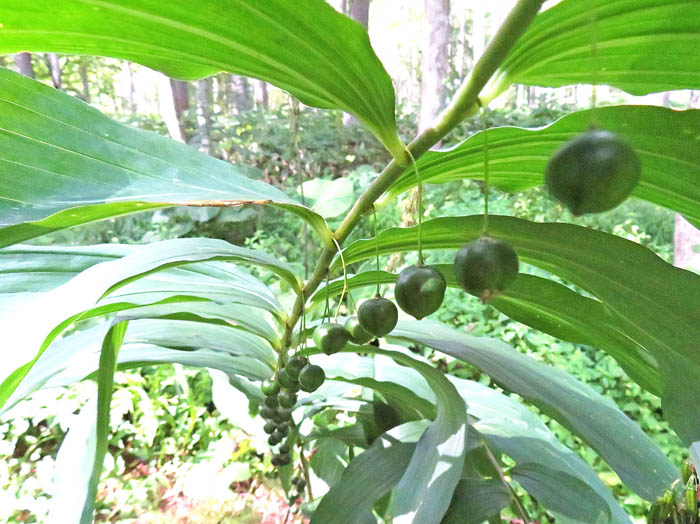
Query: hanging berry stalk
pixel 378 316
pixel 420 289
pixel 487 266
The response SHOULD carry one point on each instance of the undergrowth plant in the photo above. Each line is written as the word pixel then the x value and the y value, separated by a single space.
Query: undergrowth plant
pixel 414 444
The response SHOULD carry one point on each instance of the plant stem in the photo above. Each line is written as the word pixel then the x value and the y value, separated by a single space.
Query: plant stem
pixel 494 462
pixel 463 104
pixel 486 170
pixel 305 472
pixel 376 245
pixel 419 208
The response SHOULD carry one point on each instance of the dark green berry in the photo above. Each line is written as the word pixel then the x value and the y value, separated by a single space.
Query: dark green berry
pixel 271 401
pixel 419 290
pixel 268 412
pixel 294 366
pixel 357 333
pixel 285 448
pixel 275 438
pixel 285 380
pixel 300 484
pixel 269 427
pixel 486 267
pixel 270 388
pixel 378 316
pixel 287 399
pixel 311 378
pixel 284 414
pixel 275 460
pixel 593 173
pixel 330 338
pixel 284 429
pixel 284 459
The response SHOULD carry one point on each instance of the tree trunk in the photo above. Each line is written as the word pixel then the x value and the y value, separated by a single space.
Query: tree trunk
pixel 84 80
pixel 435 64
pixel 23 61
pixel 204 95
pixel 242 98
pixel 179 94
pixel 358 10
pixel 260 96
pixel 686 245
pixel 54 68
pixel 167 107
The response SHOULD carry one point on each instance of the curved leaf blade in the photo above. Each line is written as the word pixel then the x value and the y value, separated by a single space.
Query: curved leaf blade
pixel 653 302
pixel 63 305
pixel 639 46
pixel 305 47
pixel 62 164
pixel 665 141
pixel 631 453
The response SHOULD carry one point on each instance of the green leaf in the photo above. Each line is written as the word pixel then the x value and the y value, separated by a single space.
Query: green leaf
pixel 511 428
pixel 424 492
pixel 665 140
pixel 652 302
pixel 331 197
pixel 549 307
pixel 73 468
pixel 640 46
pixel 305 47
pixel 62 164
pixel 476 500
pixel 105 382
pixel 591 416
pixel 367 478
pixel 55 310
pixel 76 357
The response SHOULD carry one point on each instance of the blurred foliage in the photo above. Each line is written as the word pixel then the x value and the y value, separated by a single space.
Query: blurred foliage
pixel 166 426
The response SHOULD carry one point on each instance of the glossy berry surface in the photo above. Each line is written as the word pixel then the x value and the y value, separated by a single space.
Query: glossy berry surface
pixel 311 378
pixel 593 173
pixel 419 290
pixel 378 316
pixel 486 267
pixel 330 338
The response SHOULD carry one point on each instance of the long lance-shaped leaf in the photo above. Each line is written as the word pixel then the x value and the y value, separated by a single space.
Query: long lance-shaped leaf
pixel 366 479
pixel 654 302
pixel 665 141
pixel 105 382
pixel 542 460
pixel 507 427
pixel 54 310
pixel 549 307
pixel 62 164
pixel 304 47
pixel 76 357
pixel 640 46
pixel 425 490
pixel 593 417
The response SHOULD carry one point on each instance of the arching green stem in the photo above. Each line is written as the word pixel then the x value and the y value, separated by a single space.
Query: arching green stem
pixel 376 244
pixel 345 279
pixel 419 211
pixel 484 126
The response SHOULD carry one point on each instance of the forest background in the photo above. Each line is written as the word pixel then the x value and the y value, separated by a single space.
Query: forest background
pixel 178 450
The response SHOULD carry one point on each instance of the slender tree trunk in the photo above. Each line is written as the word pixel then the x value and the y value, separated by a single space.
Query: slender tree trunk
pixel 167 105
pixel 54 68
pixel 181 103
pixel 132 89
pixel 686 244
pixel 435 64
pixel 23 61
pixel 242 99
pixel 358 10
pixel 260 95
pixel 204 96
pixel 84 80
